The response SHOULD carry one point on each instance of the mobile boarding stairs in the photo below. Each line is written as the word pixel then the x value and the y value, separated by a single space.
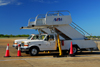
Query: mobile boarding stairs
pixel 56 21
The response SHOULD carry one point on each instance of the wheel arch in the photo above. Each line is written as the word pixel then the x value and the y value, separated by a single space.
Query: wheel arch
pixel 34 47
pixel 75 45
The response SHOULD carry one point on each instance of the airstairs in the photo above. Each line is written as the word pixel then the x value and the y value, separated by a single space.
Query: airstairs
pixel 59 23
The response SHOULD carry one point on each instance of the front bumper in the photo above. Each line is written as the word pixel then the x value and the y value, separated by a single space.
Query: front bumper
pixel 23 49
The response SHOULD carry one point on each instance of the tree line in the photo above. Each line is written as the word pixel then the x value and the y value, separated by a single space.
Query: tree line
pixel 23 35
pixel 93 37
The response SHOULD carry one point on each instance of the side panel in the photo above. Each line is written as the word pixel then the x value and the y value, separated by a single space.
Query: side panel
pixel 71 32
pixel 81 43
pixel 48 45
pixel 47 30
pixel 31 23
pixel 41 21
pixel 58 20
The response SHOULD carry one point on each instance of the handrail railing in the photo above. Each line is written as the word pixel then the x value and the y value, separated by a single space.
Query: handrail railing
pixel 40 15
pixel 45 15
pixel 55 14
pixel 30 19
pixel 59 12
pixel 79 28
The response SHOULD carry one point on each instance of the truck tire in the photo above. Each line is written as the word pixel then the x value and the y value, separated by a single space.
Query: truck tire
pixel 34 51
pixel 74 50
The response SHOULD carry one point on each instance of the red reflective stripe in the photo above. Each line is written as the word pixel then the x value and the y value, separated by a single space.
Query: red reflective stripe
pixel 62 43
pixel 25 45
pixel 16 43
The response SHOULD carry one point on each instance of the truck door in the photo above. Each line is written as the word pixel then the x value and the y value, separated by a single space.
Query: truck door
pixel 50 42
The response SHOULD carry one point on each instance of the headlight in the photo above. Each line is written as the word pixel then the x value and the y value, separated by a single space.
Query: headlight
pixel 27 44
pixel 15 42
pixel 22 42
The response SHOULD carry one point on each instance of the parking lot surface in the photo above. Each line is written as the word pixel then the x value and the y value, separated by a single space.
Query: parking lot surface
pixel 84 59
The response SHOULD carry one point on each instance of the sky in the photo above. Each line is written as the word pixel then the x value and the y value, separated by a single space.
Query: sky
pixel 16 13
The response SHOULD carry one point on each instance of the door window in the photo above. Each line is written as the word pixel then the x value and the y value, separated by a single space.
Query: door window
pixel 50 38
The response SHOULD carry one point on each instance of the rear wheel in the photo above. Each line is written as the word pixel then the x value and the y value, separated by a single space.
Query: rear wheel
pixel 74 50
pixel 34 51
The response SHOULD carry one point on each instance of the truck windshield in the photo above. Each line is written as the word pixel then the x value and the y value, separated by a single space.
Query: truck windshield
pixel 41 37
pixel 29 37
pixel 35 37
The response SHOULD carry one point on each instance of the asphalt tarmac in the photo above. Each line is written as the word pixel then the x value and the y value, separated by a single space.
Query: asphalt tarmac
pixel 82 59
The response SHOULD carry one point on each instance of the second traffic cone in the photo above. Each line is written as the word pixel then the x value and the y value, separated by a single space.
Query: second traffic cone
pixel 7 51
pixel 71 54
pixel 19 51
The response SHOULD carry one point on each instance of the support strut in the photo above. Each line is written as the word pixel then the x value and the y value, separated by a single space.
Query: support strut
pixel 59 45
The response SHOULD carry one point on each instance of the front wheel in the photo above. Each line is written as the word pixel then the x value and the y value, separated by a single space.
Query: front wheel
pixel 34 51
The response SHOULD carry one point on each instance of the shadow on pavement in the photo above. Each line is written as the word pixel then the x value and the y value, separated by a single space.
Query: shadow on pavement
pixel 52 54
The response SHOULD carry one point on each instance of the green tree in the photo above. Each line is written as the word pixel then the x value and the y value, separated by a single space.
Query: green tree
pixel 1 35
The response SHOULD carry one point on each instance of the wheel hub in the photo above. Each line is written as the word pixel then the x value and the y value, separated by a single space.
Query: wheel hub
pixel 34 51
pixel 74 50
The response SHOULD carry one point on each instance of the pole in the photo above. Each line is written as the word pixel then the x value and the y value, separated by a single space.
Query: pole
pixel 59 45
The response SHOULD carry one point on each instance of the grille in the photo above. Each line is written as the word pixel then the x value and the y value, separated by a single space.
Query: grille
pixel 22 44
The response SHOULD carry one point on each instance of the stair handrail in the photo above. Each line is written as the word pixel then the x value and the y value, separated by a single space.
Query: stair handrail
pixel 78 29
pixel 81 28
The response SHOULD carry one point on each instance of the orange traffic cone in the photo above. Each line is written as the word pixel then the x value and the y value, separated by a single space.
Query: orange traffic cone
pixel 71 51
pixel 7 51
pixel 19 51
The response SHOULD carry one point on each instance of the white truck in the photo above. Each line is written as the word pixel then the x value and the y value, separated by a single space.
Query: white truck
pixel 53 24
pixel 48 42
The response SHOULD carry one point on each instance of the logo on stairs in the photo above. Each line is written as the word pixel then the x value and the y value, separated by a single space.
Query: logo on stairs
pixel 57 19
